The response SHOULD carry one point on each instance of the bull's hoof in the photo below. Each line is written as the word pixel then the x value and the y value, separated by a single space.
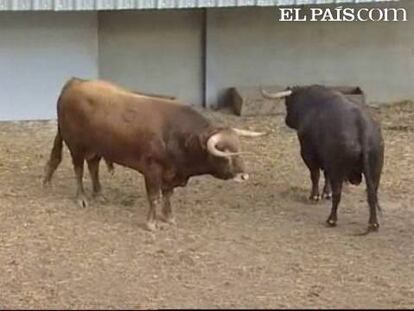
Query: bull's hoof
pixel 315 197
pixel 82 202
pixel 327 195
pixel 100 198
pixel 169 220
pixel 373 227
pixel 331 222
pixel 151 226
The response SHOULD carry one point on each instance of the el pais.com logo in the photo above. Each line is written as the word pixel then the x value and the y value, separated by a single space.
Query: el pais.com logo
pixel 342 14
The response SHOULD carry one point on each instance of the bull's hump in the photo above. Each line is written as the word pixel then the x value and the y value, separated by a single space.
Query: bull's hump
pixel 112 90
pixel 103 86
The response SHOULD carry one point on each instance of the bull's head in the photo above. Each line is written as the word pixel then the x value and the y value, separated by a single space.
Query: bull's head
pixel 224 151
pixel 291 111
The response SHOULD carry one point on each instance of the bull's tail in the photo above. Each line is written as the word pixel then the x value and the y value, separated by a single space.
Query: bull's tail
pixel 369 179
pixel 109 166
pixel 56 153
pixel 54 159
pixel 372 164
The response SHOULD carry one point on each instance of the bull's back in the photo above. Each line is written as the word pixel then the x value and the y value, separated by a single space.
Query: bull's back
pixel 97 118
pixel 331 131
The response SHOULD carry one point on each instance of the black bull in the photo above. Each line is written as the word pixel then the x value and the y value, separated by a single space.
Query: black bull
pixel 338 137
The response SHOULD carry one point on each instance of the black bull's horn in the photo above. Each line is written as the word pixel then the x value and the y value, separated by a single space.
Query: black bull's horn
pixel 276 95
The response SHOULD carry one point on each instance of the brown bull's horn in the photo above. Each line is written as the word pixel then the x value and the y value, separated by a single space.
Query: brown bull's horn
pixel 211 147
pixel 247 133
pixel 154 95
pixel 276 95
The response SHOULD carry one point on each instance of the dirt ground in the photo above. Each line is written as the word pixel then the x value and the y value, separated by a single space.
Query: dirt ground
pixel 258 244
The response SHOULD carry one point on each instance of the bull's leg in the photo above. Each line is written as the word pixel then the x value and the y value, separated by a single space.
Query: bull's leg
pixel 313 167
pixel 153 187
pixel 372 190
pixel 314 174
pixel 166 207
pixel 373 224
pixel 336 198
pixel 376 163
pixel 93 166
pixel 327 191
pixel 78 167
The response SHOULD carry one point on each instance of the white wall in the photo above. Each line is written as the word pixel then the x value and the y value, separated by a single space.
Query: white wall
pixel 162 52
pixel 154 51
pixel 38 52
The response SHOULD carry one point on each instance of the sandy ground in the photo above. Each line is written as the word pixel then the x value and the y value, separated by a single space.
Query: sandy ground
pixel 259 244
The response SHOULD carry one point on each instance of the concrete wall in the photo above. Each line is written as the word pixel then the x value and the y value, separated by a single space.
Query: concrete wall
pixel 165 52
pixel 248 46
pixel 154 51
pixel 38 52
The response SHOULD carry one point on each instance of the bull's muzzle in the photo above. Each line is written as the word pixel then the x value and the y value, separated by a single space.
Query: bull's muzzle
pixel 241 177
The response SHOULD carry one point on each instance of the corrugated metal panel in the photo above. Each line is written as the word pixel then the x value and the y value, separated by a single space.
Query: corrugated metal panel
pixel 82 5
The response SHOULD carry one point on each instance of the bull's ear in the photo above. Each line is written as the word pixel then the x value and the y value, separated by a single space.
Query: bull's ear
pixel 191 142
pixel 196 142
pixel 203 137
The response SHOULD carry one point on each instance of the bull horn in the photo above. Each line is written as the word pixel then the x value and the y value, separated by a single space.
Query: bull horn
pixel 276 95
pixel 155 95
pixel 211 147
pixel 247 133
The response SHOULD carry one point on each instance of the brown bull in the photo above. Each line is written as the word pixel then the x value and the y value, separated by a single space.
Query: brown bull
pixel 164 140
